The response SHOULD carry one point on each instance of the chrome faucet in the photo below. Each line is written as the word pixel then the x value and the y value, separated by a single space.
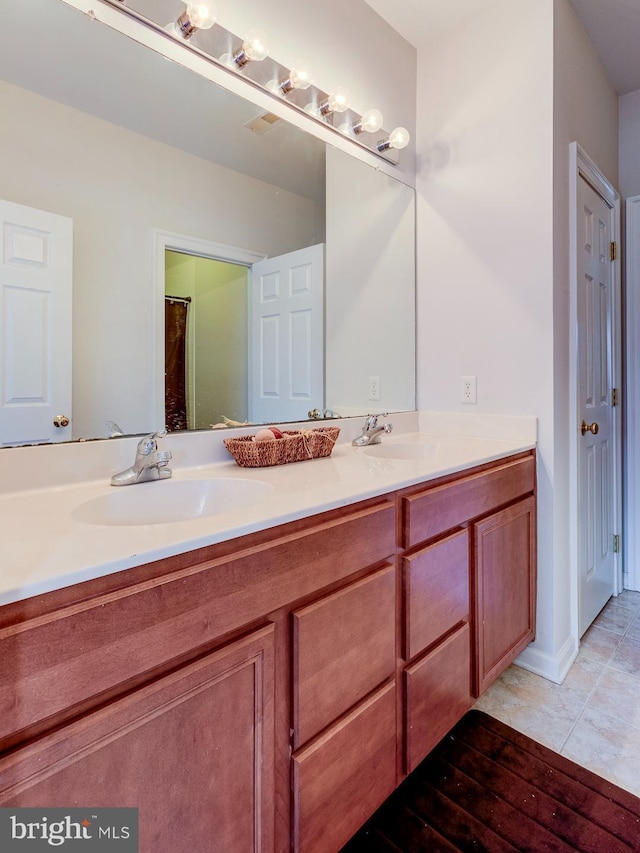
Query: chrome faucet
pixel 150 463
pixel 371 432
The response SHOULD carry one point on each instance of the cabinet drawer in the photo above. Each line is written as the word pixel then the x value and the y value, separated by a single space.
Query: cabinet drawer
pixel 436 591
pixel 53 662
pixel 342 778
pixel 428 513
pixel 438 694
pixel 343 648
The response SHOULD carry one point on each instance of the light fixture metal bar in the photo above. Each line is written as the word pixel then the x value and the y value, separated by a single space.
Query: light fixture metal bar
pixel 213 43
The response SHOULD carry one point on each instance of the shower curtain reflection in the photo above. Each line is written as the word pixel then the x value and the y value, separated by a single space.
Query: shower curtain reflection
pixel 175 336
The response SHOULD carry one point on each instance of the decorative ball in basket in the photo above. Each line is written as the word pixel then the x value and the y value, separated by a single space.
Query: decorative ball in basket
pixel 271 446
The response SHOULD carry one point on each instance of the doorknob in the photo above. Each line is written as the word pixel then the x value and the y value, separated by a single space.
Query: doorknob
pixel 592 428
pixel 61 421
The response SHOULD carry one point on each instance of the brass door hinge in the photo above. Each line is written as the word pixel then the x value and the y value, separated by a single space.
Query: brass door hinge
pixel 613 251
pixel 616 543
pixel 615 397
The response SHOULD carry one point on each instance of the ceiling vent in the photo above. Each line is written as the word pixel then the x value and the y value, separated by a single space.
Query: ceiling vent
pixel 262 123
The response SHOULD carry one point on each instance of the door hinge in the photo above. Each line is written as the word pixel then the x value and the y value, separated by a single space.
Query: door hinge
pixel 615 397
pixel 613 251
pixel 616 543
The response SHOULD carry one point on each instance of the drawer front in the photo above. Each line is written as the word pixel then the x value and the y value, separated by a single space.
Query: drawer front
pixel 434 511
pixel 438 694
pixel 51 663
pixel 343 648
pixel 341 779
pixel 436 591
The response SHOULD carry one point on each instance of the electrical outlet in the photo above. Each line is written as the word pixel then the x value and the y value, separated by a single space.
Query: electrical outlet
pixel 469 389
pixel 374 388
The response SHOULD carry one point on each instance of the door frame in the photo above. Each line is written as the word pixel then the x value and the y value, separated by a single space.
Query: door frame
pixel 583 167
pixel 164 241
pixel 631 553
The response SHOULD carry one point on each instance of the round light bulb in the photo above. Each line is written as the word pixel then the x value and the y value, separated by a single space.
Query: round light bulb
pixel 371 121
pixel 255 46
pixel 300 76
pixel 202 13
pixel 399 138
pixel 339 101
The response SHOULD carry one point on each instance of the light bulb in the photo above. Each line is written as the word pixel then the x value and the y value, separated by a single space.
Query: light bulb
pixel 199 15
pixel 202 14
pixel 255 47
pixel 339 101
pixel 399 138
pixel 336 103
pixel 371 122
pixel 300 76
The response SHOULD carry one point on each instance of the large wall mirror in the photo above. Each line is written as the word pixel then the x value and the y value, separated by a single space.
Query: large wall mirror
pixel 182 197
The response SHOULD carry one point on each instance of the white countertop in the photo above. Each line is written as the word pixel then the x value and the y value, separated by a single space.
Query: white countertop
pixel 43 547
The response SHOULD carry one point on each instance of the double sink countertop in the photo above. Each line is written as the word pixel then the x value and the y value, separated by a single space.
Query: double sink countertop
pixel 49 538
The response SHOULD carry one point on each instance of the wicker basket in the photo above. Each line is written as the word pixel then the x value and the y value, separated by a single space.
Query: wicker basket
pixel 292 447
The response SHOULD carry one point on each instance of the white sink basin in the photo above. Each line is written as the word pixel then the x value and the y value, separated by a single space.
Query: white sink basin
pixel 168 501
pixel 409 449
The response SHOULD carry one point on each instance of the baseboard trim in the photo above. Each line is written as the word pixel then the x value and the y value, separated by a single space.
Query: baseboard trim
pixel 552 667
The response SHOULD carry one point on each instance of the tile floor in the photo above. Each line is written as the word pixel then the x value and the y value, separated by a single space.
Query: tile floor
pixel 594 716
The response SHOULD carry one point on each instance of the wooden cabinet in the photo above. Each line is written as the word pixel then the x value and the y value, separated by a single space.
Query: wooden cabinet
pixel 268 694
pixel 193 751
pixel 505 589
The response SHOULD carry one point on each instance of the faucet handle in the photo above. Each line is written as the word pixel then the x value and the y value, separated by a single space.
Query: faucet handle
pixel 372 420
pixel 149 443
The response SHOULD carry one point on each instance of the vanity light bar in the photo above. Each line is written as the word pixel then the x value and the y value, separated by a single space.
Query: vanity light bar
pixel 197 29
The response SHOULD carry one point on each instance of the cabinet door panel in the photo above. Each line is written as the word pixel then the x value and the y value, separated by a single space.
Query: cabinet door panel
pixel 434 511
pixel 436 591
pixel 342 778
pixel 192 751
pixel 343 648
pixel 438 694
pixel 505 588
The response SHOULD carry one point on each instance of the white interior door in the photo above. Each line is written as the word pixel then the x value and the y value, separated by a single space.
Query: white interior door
pixel 35 325
pixel 596 436
pixel 286 374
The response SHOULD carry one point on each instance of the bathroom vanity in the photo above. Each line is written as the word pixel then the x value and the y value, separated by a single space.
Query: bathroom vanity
pixel 267 692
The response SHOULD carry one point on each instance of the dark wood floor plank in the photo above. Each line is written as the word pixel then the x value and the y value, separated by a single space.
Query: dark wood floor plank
pixel 538 765
pixel 489 789
pixel 532 795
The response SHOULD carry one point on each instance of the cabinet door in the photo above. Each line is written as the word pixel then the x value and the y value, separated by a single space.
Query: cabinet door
pixel 192 751
pixel 505 588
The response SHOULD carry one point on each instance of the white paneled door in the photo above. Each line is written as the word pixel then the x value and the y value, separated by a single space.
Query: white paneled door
pixel 35 325
pixel 596 438
pixel 286 336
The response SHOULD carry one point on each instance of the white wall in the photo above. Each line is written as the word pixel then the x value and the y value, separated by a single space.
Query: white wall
pixel 370 285
pixel 492 290
pixel 117 185
pixel 630 144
